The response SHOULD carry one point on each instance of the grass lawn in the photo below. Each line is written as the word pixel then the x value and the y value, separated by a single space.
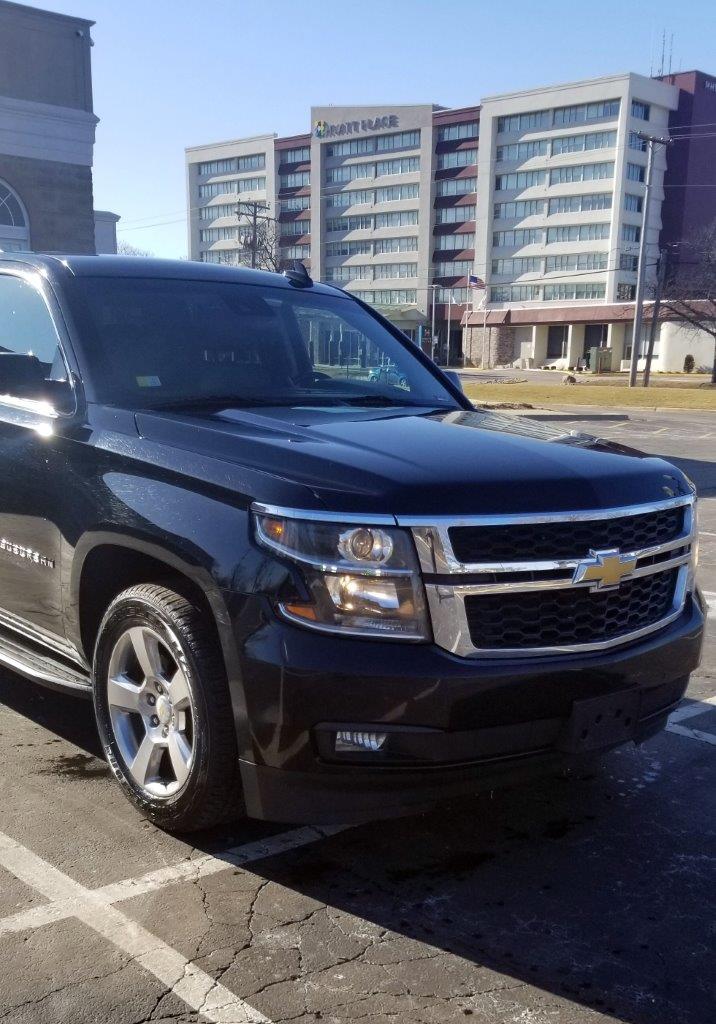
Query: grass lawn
pixel 546 395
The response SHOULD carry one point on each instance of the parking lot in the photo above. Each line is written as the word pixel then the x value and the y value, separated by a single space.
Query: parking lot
pixel 574 900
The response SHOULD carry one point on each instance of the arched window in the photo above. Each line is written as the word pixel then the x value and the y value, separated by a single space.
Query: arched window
pixel 14 226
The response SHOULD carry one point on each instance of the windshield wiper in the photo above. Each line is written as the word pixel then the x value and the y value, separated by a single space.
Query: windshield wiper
pixel 221 402
pixel 386 401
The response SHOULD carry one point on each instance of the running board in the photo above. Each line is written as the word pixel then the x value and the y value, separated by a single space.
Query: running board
pixel 42 667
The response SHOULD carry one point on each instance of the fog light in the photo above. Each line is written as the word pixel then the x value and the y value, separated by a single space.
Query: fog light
pixel 364 741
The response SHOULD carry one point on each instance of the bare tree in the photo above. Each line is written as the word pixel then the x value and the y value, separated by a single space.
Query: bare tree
pixel 264 244
pixel 126 249
pixel 691 286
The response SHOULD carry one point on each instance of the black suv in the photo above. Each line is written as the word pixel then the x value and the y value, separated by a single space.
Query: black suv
pixel 300 590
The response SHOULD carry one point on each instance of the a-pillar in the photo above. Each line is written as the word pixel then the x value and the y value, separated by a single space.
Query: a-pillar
pixel 575 344
pixel 540 333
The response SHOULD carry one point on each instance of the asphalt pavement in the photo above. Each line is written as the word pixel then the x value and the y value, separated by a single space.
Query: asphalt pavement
pixel 580 900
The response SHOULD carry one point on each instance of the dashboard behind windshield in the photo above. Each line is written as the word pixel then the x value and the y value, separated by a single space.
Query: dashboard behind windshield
pixel 154 342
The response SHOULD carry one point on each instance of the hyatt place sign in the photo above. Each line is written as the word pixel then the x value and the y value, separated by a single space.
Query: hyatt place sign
pixel 324 130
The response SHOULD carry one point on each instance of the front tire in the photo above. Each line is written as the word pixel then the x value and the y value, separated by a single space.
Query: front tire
pixel 163 709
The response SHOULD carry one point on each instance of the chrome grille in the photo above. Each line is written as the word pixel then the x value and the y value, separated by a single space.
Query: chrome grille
pixel 565 539
pixel 529 619
pixel 515 584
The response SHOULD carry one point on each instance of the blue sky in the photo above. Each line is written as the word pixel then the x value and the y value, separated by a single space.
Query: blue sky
pixel 172 73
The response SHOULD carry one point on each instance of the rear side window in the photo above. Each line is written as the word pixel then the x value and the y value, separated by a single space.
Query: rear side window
pixel 29 347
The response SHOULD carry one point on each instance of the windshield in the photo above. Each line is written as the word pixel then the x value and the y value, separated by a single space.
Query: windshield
pixel 157 343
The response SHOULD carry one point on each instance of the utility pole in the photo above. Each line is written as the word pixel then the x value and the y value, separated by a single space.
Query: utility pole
pixel 660 279
pixel 652 141
pixel 254 206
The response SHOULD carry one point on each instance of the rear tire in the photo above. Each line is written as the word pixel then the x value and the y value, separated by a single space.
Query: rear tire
pixel 163 709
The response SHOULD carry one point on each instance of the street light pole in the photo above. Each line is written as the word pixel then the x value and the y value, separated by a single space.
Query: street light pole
pixel 432 328
pixel 652 141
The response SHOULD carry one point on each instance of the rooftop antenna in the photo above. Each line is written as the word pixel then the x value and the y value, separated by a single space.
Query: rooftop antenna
pixel 671 50
pixel 663 48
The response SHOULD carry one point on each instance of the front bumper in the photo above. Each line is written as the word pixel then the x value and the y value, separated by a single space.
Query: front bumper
pixel 466 724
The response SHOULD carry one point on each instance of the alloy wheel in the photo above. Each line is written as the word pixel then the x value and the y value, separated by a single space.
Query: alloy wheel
pixel 152 711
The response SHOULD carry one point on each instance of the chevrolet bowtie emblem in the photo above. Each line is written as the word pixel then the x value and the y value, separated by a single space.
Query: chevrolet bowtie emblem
pixel 604 569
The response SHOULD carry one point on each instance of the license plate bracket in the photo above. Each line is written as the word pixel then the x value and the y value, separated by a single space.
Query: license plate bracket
pixel 600 722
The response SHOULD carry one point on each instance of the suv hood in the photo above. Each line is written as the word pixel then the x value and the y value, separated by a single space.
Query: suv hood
pixel 457 463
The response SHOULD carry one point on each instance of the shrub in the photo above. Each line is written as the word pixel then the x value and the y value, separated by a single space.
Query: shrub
pixel 689 364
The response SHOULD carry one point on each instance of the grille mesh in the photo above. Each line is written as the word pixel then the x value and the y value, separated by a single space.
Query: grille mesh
pixel 533 541
pixel 571 616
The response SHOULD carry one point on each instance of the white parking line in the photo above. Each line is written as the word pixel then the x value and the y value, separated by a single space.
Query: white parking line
pixel 199 867
pixel 192 985
pixel 691 710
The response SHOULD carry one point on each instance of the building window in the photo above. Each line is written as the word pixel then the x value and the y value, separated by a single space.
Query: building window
pixel 402 165
pixel 218 167
pixel 514 293
pixel 295 227
pixel 220 210
pixel 636 172
pixel 391 270
pixel 581 172
pixel 389 296
pixel 349 272
pixel 580 143
pixel 458 158
pixel 524 122
pixel 628 262
pixel 580 290
pixel 633 203
pixel 521 265
pixel 577 261
pixel 399 140
pixel 348 172
pixel 296 252
pixel 360 222
pixel 396 193
pixel 407 243
pixel 460 296
pixel 294 204
pixel 586 112
pixel 577 233
pixel 363 248
pixel 636 142
pixel 218 234
pixel 255 162
pixel 631 233
pixel 523 150
pixel 626 292
pixel 455 186
pixel 295 156
pixel 296 179
pixel 525 208
pixel 358 197
pixel 580 204
pixel 220 188
pixel 399 219
pixel 453 132
pixel 454 214
pixel 516 238
pixel 518 179
pixel 461 240
pixel 640 110
pixel 456 268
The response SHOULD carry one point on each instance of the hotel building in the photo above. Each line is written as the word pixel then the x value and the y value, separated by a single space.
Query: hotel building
pixel 538 194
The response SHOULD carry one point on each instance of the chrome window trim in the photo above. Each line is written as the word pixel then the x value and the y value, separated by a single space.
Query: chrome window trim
pixel 452 632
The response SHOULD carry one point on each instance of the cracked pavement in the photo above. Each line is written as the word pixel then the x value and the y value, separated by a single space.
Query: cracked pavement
pixel 580 900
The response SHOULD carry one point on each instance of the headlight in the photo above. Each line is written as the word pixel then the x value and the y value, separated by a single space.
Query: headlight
pixel 362 580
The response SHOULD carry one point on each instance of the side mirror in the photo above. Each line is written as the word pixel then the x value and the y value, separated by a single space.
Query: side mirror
pixel 455 379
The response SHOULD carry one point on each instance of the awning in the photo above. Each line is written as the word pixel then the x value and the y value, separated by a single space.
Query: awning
pixel 403 314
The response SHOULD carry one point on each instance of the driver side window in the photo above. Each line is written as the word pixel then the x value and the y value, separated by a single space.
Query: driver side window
pixel 31 362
